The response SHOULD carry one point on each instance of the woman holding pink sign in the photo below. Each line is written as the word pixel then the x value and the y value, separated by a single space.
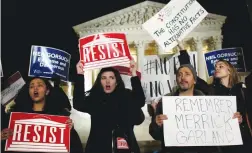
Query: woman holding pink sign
pixel 114 110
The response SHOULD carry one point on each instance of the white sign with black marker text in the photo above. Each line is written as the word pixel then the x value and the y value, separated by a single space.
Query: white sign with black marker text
pixel 200 121
pixel 159 74
pixel 174 22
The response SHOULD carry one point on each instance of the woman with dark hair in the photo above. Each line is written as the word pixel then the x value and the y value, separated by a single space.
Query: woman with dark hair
pixel 111 106
pixel 38 96
pixel 226 83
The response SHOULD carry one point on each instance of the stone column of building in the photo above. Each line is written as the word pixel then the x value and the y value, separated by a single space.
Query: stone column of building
pixel 140 53
pixel 202 70
pixel 218 41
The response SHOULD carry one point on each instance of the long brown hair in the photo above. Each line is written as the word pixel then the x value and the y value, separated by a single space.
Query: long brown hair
pixel 233 76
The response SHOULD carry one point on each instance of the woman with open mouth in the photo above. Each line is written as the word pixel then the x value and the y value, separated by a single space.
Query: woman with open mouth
pixel 114 110
pixel 38 96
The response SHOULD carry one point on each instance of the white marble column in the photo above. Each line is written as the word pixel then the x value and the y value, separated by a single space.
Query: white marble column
pixel 140 53
pixel 218 41
pixel 202 70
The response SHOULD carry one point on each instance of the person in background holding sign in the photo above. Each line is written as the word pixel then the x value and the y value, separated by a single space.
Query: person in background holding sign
pixel 114 110
pixel 226 82
pixel 186 79
pixel 36 97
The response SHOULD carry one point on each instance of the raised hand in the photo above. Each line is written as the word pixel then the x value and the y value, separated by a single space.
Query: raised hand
pixel 79 68
pixel 133 67
pixel 6 133
pixel 70 123
pixel 180 45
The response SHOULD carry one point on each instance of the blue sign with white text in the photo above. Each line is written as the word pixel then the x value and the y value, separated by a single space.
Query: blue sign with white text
pixel 47 61
pixel 232 55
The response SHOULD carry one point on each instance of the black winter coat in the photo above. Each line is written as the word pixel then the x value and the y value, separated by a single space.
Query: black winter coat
pixel 56 103
pixel 216 88
pixel 108 111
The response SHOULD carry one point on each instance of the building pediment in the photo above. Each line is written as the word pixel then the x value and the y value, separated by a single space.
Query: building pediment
pixel 135 16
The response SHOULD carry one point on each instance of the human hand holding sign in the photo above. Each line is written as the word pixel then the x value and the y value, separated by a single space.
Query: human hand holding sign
pixel 69 122
pixel 79 68
pixel 239 116
pixel 133 67
pixel 160 119
pixel 6 133
pixel 180 45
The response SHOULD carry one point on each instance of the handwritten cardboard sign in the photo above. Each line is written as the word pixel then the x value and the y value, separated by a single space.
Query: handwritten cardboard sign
pixel 47 61
pixel 159 74
pixel 174 22
pixel 104 50
pixel 38 133
pixel 232 55
pixel 15 83
pixel 200 121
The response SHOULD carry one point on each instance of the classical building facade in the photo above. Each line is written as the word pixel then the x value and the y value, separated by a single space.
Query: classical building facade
pixel 205 37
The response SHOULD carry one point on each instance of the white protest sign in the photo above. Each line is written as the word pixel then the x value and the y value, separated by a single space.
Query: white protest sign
pixel 158 74
pixel 16 83
pixel 174 22
pixel 200 121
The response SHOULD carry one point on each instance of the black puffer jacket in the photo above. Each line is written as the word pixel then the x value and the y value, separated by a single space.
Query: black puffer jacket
pixel 108 111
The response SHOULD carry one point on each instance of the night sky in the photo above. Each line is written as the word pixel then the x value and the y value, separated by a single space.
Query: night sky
pixel 49 23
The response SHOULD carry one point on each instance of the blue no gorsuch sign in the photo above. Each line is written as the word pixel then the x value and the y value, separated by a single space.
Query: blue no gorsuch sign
pixel 232 55
pixel 47 61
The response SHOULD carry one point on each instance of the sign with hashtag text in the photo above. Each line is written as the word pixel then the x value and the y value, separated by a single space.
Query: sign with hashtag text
pixel 159 74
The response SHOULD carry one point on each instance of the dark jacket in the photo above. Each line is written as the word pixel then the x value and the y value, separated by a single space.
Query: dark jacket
pixel 216 88
pixel 53 107
pixel 108 111
pixel 157 132
pixel 238 91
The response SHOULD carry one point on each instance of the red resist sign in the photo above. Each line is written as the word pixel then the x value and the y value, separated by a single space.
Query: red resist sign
pixel 104 50
pixel 38 133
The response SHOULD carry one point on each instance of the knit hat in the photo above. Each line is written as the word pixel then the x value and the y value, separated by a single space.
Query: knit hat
pixel 191 68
